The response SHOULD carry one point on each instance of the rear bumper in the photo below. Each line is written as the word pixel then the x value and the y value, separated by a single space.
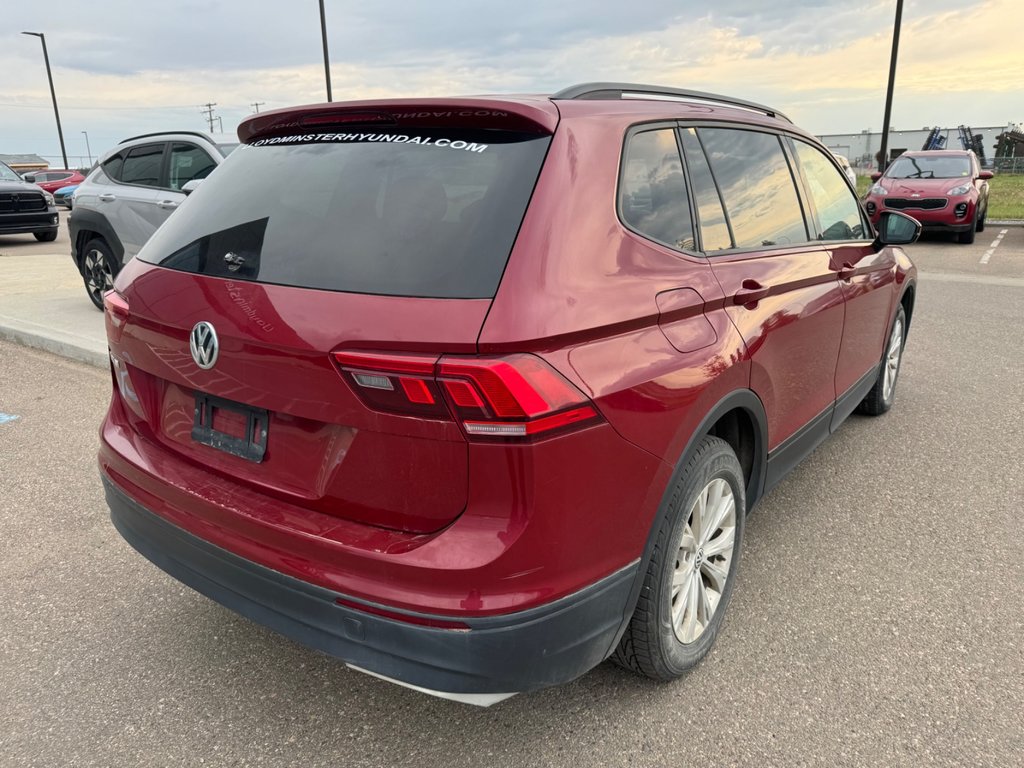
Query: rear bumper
pixel 522 651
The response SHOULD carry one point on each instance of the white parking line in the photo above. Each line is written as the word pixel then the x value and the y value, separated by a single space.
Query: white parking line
pixel 995 244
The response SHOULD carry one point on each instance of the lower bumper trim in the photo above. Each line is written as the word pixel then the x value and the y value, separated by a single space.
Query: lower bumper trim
pixel 498 656
pixel 476 699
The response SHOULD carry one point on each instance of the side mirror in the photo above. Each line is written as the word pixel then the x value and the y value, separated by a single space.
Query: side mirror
pixel 876 176
pixel 191 186
pixel 895 228
pixel 985 175
pixel 30 178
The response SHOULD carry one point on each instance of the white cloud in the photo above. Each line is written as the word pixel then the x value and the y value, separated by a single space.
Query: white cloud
pixel 824 63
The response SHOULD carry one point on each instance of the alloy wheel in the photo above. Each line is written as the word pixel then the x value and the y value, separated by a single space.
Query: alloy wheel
pixel 99 278
pixel 704 560
pixel 892 360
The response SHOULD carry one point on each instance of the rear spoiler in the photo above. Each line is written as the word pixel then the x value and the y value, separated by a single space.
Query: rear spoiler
pixel 528 115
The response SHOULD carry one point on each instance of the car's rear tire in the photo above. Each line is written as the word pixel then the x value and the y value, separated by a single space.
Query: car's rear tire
pixel 883 393
pixel 690 576
pixel 99 268
pixel 46 237
pixel 980 226
pixel 967 236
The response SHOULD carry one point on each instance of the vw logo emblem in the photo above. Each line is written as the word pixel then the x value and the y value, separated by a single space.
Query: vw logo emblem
pixel 203 343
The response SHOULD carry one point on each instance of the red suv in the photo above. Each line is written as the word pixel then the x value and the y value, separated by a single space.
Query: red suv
pixel 475 393
pixel 944 189
pixel 52 180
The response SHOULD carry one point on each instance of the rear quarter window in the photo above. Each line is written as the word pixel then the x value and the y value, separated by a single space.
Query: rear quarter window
pixel 652 191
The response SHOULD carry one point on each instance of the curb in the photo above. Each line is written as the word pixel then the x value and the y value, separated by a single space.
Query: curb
pixel 1005 223
pixel 69 345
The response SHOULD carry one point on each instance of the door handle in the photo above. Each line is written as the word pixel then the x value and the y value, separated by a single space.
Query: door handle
pixel 167 204
pixel 750 292
pixel 847 271
pixel 108 198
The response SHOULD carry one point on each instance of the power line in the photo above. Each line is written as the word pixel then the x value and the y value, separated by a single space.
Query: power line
pixel 209 112
pixel 99 109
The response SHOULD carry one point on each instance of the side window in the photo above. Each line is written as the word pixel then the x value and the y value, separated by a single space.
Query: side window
pixel 113 167
pixel 142 165
pixel 838 212
pixel 188 162
pixel 652 191
pixel 757 187
pixel 714 230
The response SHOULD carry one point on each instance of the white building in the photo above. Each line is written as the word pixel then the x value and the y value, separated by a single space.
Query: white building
pixel 860 148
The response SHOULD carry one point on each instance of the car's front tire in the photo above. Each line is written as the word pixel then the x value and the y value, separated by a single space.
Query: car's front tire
pixel 883 393
pixel 690 576
pixel 46 237
pixel 967 236
pixel 99 268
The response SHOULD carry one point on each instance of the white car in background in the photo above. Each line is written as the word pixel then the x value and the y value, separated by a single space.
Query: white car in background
pixel 130 192
pixel 847 168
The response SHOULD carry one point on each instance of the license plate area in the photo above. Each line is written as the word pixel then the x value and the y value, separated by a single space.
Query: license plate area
pixel 230 427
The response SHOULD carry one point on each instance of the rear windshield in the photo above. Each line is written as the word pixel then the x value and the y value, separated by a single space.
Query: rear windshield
pixel 399 212
pixel 929 168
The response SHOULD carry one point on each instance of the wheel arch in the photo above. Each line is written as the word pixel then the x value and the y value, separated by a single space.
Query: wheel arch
pixel 86 225
pixel 907 299
pixel 739 417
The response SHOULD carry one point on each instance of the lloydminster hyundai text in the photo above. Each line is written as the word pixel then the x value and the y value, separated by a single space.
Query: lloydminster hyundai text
pixel 475 393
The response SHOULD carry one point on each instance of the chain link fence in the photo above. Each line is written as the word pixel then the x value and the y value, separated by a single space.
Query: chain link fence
pixel 1008 165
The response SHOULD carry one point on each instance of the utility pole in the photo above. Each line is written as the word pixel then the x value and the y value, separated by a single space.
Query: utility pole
pixel 883 153
pixel 256 106
pixel 209 113
pixel 53 93
pixel 220 124
pixel 327 58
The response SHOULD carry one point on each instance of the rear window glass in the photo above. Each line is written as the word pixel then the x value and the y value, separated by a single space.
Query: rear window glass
pixel 401 212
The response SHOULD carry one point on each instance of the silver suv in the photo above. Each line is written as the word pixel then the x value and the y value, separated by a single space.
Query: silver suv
pixel 130 192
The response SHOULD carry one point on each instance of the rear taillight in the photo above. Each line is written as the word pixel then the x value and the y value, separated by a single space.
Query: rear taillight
pixel 123 379
pixel 115 306
pixel 394 383
pixel 512 397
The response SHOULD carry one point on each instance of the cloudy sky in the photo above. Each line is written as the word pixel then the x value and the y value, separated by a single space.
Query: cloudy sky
pixel 123 67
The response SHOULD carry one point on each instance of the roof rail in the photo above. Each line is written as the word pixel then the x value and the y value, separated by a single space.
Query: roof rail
pixel 619 90
pixel 165 133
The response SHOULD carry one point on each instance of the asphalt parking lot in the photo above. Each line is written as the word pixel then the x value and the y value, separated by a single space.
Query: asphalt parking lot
pixel 877 618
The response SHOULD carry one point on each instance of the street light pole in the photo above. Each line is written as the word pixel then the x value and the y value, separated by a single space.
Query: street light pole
pixel 327 58
pixel 87 147
pixel 53 94
pixel 892 82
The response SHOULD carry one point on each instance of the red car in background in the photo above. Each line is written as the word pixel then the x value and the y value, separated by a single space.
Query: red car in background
pixel 52 180
pixel 943 189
